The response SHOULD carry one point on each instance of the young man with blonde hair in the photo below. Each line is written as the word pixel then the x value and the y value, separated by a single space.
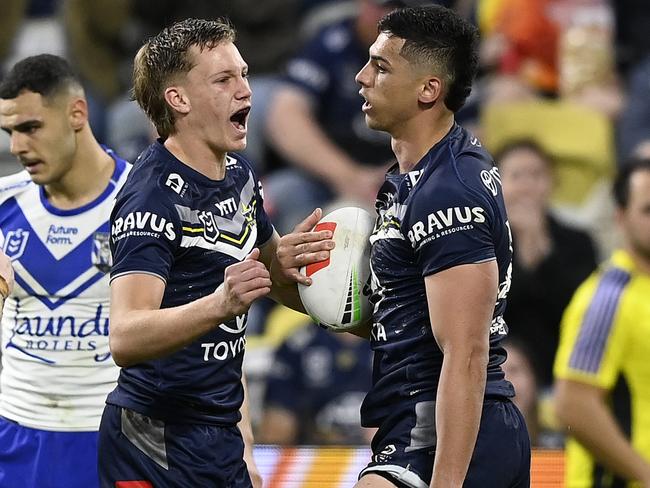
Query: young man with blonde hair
pixel 192 249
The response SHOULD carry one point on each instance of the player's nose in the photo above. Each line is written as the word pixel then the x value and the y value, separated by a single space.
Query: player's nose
pixel 362 76
pixel 244 89
pixel 17 143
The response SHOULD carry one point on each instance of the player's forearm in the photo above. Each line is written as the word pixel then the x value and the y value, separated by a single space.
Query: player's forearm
pixel 459 404
pixel 295 132
pixel 591 423
pixel 141 335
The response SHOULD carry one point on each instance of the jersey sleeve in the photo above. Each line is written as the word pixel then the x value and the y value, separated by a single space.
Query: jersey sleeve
pixel 451 226
pixel 263 222
pixel 145 233
pixel 592 334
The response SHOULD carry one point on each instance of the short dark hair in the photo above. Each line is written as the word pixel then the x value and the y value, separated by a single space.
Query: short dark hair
pixel 438 36
pixel 526 144
pixel 621 187
pixel 46 74
pixel 166 55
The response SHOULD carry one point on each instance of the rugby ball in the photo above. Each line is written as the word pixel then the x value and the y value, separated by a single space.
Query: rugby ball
pixel 336 298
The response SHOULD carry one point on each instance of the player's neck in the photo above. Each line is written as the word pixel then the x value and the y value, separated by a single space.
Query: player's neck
pixel 641 261
pixel 417 136
pixel 88 177
pixel 197 155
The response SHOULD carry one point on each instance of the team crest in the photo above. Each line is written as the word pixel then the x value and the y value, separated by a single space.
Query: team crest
pixel 101 255
pixel 15 243
pixel 210 229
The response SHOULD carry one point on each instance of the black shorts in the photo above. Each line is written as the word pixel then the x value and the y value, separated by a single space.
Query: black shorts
pixel 134 447
pixel 403 449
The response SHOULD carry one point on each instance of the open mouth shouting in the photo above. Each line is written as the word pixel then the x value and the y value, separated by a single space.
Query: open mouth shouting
pixel 239 119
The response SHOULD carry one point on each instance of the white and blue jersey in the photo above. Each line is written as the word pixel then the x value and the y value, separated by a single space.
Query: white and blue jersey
pixel 57 368
pixel 447 211
pixel 172 222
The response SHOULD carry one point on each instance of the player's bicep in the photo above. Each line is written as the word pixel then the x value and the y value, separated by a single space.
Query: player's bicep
pixel 461 304
pixel 136 291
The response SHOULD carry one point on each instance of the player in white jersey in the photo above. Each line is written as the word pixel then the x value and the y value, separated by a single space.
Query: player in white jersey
pixel 57 367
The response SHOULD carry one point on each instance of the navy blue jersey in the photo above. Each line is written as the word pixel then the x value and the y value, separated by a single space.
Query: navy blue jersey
pixel 325 70
pixel 447 211
pixel 175 223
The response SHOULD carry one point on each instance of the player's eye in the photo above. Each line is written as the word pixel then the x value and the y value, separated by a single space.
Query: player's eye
pixel 28 129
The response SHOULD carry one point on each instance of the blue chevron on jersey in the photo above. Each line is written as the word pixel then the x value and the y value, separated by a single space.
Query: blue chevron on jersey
pixel 37 268
pixel 57 314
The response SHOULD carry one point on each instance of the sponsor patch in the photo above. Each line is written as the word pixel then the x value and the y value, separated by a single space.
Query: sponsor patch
pixel 143 224
pixel 445 222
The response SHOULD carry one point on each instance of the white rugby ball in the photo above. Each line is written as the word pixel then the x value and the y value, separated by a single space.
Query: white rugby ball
pixel 336 296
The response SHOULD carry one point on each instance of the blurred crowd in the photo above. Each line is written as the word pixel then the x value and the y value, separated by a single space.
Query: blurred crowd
pixel 562 102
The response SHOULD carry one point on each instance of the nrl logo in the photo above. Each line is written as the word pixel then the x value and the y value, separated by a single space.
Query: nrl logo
pixel 210 229
pixel 15 243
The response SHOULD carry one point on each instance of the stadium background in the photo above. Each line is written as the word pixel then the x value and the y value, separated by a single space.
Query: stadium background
pixel 575 67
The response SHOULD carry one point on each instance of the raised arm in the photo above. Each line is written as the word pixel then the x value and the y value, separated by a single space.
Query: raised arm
pixel 295 132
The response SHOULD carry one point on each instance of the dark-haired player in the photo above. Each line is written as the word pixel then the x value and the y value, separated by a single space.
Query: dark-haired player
pixel 440 261
pixel 57 368
pixel 192 248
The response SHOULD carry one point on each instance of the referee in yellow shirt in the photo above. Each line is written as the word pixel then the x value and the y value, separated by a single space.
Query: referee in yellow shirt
pixel 602 367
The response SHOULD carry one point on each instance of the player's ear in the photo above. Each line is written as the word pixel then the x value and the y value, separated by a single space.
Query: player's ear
pixel 430 91
pixel 78 113
pixel 177 99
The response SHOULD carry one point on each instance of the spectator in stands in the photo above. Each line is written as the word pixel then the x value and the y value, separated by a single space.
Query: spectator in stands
pixel 550 259
pixel 29 27
pixel 602 368
pixel 634 125
pixel 316 124
pixel 315 389
pixel 520 39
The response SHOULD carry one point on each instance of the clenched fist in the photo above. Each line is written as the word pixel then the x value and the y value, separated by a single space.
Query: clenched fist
pixel 243 283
